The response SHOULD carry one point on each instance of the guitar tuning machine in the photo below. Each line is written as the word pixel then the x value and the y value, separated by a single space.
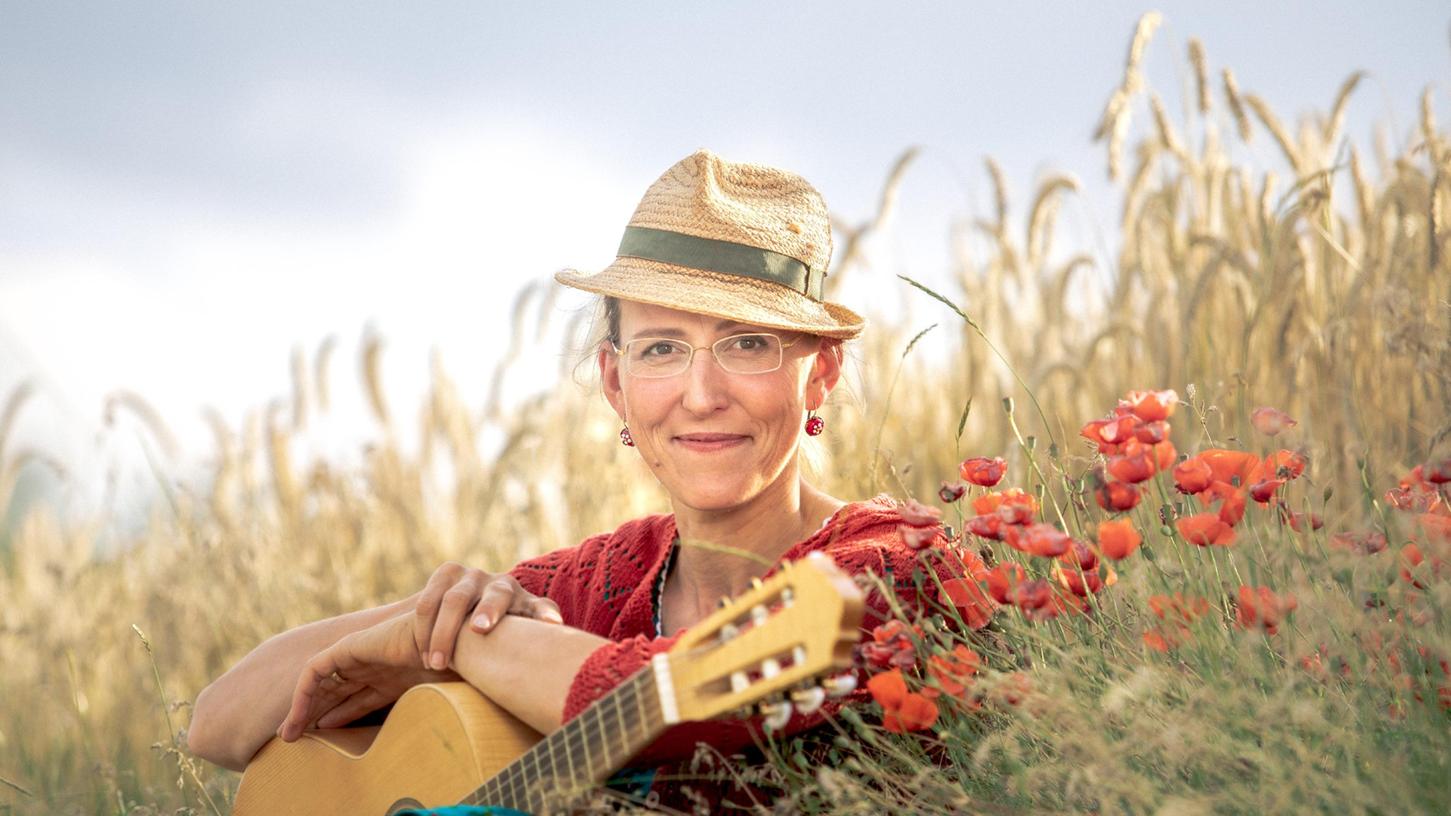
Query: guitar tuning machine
pixel 808 698
pixel 776 713
pixel 840 685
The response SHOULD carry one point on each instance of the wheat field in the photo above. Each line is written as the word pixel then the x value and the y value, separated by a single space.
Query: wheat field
pixel 1317 283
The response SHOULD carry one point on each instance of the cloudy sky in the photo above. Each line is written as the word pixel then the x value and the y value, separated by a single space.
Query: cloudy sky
pixel 188 191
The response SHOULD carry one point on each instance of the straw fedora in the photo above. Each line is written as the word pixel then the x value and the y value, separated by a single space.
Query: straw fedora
pixel 739 241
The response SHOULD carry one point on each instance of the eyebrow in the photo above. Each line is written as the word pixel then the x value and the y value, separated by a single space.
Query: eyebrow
pixel 664 332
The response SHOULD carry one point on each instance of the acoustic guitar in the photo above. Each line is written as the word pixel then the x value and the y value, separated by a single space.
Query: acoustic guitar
pixel 445 743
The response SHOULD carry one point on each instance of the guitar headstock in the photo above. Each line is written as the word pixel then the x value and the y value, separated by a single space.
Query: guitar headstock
pixel 777 637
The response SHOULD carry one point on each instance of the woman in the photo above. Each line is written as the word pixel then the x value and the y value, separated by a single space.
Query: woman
pixel 719 351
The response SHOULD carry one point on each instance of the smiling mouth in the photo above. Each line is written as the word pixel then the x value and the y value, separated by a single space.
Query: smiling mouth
pixel 706 442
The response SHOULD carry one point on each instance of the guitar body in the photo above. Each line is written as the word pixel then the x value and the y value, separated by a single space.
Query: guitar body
pixel 439 743
pixel 445 743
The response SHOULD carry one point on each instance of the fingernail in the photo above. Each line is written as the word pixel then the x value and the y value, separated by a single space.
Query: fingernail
pixel 553 616
pixel 438 661
pixel 482 621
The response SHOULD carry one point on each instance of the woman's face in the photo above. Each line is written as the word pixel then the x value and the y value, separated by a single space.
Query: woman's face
pixel 713 438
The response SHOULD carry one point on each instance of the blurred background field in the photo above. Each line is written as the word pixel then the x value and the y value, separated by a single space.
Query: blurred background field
pixel 1259 257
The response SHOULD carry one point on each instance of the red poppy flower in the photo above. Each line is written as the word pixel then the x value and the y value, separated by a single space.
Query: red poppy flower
pixel 1043 540
pixel 1260 606
pixel 1365 542
pixel 990 502
pixel 1231 498
pixel 983 471
pixel 1205 529
pixel 918 538
pixel 1135 468
pixel 954 670
pixel 1117 496
pixel 950 493
pixel 1161 640
pixel 1032 594
pixel 1003 579
pixel 1192 475
pixel 902 710
pixel 919 515
pixel 1151 406
pixel 1118 539
pixel 1152 433
pixel 989 526
pixel 1164 455
pixel 1177 608
pixel 891 646
pixel 1262 492
pixel 1437 472
pixel 1410 500
pixel 1270 421
pixel 1080 582
pixel 1282 464
pixel 1080 554
pixel 1106 433
pixel 1412 569
pixel 972 603
pixel 1015 688
pixel 1230 466
pixel 1436 527
pixel 1299 521
pixel 1017 514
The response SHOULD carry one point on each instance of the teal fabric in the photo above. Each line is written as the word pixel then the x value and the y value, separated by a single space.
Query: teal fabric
pixel 463 810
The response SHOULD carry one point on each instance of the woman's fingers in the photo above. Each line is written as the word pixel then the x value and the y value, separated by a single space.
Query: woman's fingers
pixel 499 597
pixel 320 687
pixel 457 603
pixel 363 702
pixel 537 608
pixel 425 611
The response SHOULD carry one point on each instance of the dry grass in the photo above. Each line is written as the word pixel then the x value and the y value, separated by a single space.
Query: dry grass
pixel 1325 294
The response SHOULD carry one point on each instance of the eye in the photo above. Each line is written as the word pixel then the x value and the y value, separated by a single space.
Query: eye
pixel 751 342
pixel 658 348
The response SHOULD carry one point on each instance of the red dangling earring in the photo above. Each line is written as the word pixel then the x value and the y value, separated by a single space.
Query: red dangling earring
pixel 814 424
pixel 625 438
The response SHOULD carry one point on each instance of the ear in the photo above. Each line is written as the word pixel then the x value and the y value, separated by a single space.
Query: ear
pixel 609 363
pixel 825 372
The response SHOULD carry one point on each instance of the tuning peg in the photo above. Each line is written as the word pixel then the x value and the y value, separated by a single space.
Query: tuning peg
pixel 759 614
pixel 756 583
pixel 776 713
pixel 788 597
pixel 808 699
pixel 727 632
pixel 725 600
pixel 840 685
pixel 770 667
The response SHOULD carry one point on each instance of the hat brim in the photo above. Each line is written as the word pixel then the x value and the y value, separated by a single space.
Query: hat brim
pixel 700 291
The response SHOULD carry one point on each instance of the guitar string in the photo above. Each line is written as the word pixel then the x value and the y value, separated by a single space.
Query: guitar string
pixel 511 781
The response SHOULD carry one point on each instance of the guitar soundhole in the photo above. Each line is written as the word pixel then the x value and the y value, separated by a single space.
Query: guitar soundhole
pixel 404 804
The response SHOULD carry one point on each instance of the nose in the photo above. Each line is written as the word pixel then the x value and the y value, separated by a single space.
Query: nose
pixel 705 384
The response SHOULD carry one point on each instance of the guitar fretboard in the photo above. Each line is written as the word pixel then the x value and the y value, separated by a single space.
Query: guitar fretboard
pixel 580 754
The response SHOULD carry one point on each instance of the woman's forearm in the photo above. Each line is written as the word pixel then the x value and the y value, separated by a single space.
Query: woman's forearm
pixel 240 711
pixel 526 666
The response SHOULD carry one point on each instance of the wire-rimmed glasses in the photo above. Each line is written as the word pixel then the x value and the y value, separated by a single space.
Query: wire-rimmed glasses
pixel 749 353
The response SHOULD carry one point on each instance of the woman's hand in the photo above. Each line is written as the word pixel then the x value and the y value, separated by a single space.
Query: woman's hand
pixel 358 674
pixel 455 592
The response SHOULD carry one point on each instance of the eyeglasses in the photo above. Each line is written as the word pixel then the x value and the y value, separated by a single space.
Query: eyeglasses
pixel 755 353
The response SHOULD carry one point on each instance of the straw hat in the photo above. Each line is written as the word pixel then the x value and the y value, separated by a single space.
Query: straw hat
pixel 739 241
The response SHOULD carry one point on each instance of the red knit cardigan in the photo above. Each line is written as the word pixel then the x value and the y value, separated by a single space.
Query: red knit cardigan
pixel 605 585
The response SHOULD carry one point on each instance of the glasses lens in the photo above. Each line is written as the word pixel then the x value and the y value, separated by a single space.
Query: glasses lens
pixel 656 357
pixel 749 353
